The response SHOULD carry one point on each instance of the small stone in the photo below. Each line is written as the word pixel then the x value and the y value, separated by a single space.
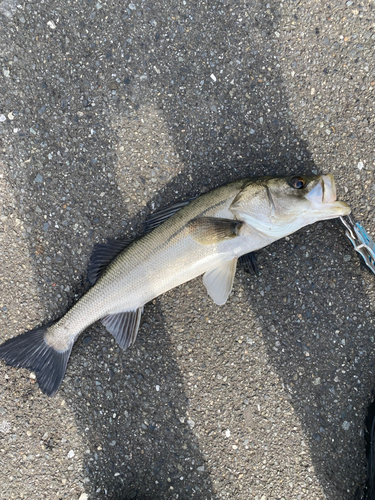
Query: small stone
pixel 201 468
pixel 45 226
pixel 132 6
pixel 191 423
pixel 157 387
pixel 38 178
pixel 32 376
pixel 345 425
pixel 179 348
pixel 316 381
pixel 227 433
pixel 313 91
pixel 347 258
pixel 2 118
pixel 99 5
pixel 360 165
pixel 252 131
pixel 6 73
pixel 10 116
pixel 5 427
pixel 213 77
pixel 84 496
pixel 51 25
pixel 70 454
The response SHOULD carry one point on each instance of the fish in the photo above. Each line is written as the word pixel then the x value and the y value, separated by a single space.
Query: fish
pixel 203 236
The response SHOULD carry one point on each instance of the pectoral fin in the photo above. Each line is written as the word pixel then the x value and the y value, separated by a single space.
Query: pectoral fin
pixel 211 230
pixel 219 281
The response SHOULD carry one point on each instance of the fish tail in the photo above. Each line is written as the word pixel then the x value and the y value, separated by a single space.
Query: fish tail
pixel 30 350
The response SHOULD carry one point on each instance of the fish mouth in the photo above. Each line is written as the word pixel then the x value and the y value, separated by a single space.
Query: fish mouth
pixel 323 197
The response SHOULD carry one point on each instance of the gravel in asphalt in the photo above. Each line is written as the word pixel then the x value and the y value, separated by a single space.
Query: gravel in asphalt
pixel 111 110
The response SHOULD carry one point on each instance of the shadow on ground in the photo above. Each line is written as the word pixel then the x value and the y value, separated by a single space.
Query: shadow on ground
pixel 205 82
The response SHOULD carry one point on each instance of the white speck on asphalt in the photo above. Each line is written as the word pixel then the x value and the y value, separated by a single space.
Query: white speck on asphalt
pixel 213 77
pixel 346 425
pixel 70 454
pixel 227 433
pixel 8 8
pixel 157 387
pixel 5 427
pixel 360 165
pixel 51 25
pixel 2 118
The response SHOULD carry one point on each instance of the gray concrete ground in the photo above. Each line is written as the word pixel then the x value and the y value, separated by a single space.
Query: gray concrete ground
pixel 109 110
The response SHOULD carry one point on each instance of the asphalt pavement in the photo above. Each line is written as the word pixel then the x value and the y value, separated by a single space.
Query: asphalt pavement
pixel 110 110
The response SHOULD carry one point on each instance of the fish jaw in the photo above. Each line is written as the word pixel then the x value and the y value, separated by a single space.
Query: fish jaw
pixel 323 199
pixel 276 208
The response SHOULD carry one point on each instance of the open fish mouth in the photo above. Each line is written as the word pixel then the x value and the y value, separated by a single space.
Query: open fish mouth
pixel 324 191
pixel 323 196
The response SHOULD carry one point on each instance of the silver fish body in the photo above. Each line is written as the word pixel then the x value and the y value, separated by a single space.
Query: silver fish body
pixel 207 237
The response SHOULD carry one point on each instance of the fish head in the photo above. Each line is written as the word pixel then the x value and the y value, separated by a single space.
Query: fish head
pixel 279 206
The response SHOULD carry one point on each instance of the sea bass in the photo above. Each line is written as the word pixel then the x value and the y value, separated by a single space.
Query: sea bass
pixel 204 236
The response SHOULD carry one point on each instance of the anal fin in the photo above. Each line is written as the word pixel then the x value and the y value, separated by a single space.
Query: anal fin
pixel 124 326
pixel 219 281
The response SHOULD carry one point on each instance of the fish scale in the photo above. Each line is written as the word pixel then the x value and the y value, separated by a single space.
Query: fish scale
pixel 205 236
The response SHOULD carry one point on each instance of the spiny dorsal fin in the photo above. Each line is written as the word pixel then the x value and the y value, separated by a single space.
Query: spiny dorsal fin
pixel 154 220
pixel 211 230
pixel 102 255
pixel 124 326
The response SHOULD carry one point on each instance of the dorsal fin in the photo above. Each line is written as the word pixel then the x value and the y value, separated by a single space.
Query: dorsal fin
pixel 102 255
pixel 155 219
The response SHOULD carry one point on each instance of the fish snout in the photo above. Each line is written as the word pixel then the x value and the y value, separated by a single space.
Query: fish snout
pixel 324 191
pixel 329 188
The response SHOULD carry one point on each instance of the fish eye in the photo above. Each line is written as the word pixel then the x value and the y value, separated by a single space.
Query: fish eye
pixel 298 182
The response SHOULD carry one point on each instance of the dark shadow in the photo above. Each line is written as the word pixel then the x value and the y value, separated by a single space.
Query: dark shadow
pixel 215 78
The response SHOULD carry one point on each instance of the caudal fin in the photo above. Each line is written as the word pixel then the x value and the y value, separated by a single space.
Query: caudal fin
pixel 31 351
